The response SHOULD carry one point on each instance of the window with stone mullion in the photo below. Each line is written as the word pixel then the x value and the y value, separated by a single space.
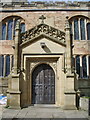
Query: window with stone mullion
pixel 3 31
pixel 70 28
pixel 84 66
pixel 78 65
pixel 12 61
pixel 10 29
pixel 22 27
pixel 7 65
pixel 89 65
pixel 1 65
pixel 82 29
pixel 76 29
pixel 88 31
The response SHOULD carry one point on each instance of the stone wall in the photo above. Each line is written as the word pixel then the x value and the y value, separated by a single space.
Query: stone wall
pixel 84 87
pixel 55 13
pixel 3 85
pixel 84 103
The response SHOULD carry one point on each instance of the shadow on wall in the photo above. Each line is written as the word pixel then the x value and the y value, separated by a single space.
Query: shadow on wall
pixel 45 48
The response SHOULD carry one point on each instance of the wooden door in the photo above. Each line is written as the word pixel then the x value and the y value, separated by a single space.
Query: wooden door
pixel 43 85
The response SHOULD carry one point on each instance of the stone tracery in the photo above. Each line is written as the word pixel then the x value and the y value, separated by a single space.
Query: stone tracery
pixel 43 29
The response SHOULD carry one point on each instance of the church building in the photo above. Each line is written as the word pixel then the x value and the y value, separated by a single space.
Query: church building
pixel 44 53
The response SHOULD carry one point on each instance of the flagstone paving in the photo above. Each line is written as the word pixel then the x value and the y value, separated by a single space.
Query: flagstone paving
pixel 51 113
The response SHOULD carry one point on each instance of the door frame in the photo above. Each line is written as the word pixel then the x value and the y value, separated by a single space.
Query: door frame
pixel 55 62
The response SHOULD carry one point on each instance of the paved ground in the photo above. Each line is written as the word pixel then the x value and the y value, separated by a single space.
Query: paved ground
pixel 51 113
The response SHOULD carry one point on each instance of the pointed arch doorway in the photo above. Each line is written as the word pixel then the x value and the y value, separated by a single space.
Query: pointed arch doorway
pixel 43 85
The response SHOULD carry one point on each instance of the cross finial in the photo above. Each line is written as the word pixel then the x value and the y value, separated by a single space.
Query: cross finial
pixel 42 17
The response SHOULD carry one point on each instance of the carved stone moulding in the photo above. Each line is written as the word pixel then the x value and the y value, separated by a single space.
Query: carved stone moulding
pixel 43 29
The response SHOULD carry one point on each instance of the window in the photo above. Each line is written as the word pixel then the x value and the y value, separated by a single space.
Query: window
pixel 3 31
pixel 7 65
pixel 1 65
pixel 88 31
pixel 76 29
pixel 12 61
pixel 89 65
pixel 83 66
pixel 70 28
pixel 78 65
pixel 22 27
pixel 80 28
pixel 8 27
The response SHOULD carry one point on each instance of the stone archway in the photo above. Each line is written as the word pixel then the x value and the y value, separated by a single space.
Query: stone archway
pixel 43 85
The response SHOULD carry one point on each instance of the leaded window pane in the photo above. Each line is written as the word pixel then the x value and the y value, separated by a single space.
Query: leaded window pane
pixel 9 32
pixel 76 30
pixel 82 29
pixel 10 28
pixel 22 27
pixel 88 31
pixel 1 65
pixel 3 31
pixel 84 66
pixel 7 65
pixel 78 65
pixel 12 61
pixel 89 65
pixel 70 28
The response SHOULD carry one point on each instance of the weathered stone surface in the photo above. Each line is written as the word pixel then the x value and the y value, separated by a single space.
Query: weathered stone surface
pixel 84 103
pixel 44 112
pixel 54 24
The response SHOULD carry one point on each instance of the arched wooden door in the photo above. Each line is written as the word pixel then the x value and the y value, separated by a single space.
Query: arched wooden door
pixel 43 85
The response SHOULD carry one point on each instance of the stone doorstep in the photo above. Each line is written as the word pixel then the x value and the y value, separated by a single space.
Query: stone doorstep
pixel 38 112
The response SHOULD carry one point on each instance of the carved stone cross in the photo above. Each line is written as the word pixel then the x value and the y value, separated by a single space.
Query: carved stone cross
pixel 42 17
